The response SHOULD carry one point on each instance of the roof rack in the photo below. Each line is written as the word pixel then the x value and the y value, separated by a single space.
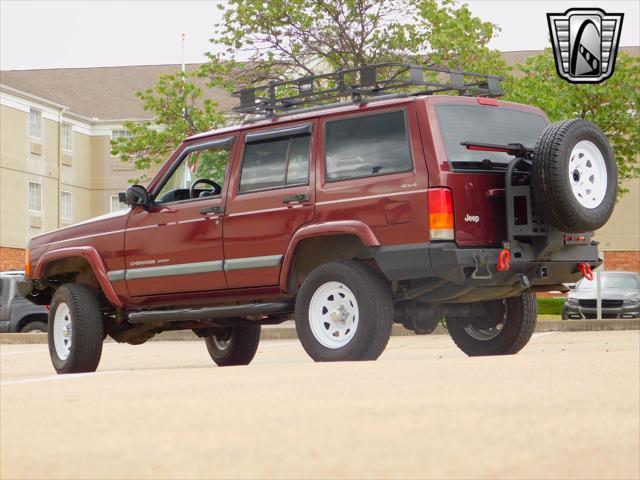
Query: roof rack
pixel 363 84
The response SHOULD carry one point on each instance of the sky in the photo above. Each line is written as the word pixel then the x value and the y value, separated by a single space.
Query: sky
pixel 90 33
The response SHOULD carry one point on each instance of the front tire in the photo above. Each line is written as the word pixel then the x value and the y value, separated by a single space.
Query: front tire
pixel 344 312
pixel 504 331
pixel 75 329
pixel 233 345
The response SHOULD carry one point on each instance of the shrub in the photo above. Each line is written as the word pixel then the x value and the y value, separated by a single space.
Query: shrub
pixel 550 306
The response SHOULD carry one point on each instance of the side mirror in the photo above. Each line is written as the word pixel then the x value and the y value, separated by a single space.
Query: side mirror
pixel 136 196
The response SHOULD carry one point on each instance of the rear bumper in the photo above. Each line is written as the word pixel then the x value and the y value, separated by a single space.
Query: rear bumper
pixel 470 274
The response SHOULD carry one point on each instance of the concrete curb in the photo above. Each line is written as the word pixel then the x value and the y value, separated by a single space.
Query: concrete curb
pixel 288 331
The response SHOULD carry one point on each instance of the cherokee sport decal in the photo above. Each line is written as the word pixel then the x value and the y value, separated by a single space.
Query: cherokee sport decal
pixel 148 262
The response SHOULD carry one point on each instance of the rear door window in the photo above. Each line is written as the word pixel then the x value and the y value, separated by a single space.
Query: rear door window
pixel 485 124
pixel 370 145
pixel 275 163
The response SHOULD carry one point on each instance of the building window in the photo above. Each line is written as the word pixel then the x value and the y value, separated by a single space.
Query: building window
pixel 35 196
pixel 35 123
pixel 67 137
pixel 66 212
pixel 120 133
pixel 116 205
pixel 117 163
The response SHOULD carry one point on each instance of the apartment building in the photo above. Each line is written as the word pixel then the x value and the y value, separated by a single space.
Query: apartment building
pixel 56 168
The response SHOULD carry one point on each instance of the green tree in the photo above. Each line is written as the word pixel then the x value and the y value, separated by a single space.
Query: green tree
pixel 178 109
pixel 613 105
pixel 281 39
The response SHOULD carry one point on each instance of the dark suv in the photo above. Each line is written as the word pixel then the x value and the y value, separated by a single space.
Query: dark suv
pixel 406 206
pixel 17 314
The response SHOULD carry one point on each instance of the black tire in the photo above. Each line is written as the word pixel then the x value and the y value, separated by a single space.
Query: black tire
pixel 34 327
pixel 519 314
pixel 87 327
pixel 551 179
pixel 375 312
pixel 234 345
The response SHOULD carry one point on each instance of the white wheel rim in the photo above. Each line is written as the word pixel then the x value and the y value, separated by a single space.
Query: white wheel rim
pixel 587 174
pixel 333 315
pixel 62 331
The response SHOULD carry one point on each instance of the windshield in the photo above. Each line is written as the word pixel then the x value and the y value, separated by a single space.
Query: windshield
pixel 477 123
pixel 610 280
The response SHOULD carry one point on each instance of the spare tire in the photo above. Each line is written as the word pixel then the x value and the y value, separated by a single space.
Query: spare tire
pixel 574 176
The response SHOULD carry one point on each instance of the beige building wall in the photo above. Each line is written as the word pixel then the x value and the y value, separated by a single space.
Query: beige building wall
pixel 622 231
pixel 87 171
pixel 111 174
pixel 24 159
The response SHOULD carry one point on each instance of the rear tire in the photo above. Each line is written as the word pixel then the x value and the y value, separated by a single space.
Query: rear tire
pixel 75 329
pixel 507 330
pixel 574 176
pixel 234 345
pixel 344 312
pixel 34 327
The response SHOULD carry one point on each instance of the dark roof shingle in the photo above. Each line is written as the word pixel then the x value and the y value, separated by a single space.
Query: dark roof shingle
pixel 108 93
pixel 105 93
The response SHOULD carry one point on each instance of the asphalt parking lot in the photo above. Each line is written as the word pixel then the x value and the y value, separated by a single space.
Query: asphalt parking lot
pixel 568 406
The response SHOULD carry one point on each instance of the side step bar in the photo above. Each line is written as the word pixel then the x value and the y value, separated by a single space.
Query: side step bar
pixel 207 313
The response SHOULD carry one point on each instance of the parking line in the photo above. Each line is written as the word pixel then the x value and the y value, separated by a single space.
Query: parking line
pixel 59 377
pixel 24 351
pixel 542 334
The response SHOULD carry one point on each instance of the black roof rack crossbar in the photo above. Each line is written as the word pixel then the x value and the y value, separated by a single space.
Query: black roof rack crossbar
pixel 363 84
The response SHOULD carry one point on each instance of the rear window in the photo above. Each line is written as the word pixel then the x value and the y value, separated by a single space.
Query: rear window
pixel 367 146
pixel 476 123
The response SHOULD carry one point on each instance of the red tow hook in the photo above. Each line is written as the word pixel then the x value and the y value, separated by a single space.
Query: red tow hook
pixel 585 268
pixel 504 257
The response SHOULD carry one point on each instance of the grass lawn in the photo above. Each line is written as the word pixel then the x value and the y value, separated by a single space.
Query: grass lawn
pixel 550 306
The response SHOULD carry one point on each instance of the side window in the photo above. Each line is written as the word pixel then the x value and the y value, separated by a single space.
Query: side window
pixel 209 164
pixel 275 163
pixel 367 146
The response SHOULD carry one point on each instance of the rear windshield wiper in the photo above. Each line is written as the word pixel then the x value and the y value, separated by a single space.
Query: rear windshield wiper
pixel 484 164
pixel 515 149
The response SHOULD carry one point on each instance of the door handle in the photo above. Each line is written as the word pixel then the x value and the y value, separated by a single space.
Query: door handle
pixel 300 197
pixel 212 209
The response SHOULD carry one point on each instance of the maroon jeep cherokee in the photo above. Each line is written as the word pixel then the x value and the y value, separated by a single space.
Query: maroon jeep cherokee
pixel 413 208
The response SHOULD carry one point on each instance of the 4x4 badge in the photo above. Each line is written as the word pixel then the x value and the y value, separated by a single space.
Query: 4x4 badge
pixel 585 43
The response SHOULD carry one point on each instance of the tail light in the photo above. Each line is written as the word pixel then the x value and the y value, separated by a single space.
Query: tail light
pixel 441 214
pixel 27 262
